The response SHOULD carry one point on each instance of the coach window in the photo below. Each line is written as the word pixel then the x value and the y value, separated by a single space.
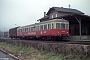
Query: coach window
pixel 37 27
pixel 49 26
pixel 57 25
pixel 45 27
pixel 52 25
pixel 34 28
pixel 62 25
pixel 25 29
pixel 41 27
pixel 29 28
pixel 17 30
pixel 21 30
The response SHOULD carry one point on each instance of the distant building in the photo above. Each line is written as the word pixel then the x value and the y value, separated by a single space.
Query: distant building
pixel 6 34
pixel 1 34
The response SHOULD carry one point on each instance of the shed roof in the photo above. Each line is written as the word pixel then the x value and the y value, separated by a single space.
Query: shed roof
pixel 67 10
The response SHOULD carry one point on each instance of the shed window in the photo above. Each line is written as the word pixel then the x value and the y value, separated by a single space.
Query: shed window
pixel 45 27
pixel 62 25
pixel 56 15
pixel 57 25
pixel 52 16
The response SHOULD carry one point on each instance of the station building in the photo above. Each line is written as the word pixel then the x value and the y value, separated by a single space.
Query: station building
pixel 79 23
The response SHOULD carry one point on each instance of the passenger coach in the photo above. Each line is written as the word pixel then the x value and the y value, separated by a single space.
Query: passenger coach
pixel 51 29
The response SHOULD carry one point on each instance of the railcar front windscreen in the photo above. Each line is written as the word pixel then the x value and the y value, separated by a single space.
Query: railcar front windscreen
pixel 62 25
pixel 57 25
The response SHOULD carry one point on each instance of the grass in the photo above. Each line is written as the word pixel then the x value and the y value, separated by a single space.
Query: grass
pixel 27 53
pixel 32 54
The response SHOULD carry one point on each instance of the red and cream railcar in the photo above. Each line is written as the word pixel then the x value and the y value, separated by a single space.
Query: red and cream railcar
pixel 56 28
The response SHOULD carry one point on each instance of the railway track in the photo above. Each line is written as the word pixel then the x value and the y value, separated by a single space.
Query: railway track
pixel 55 42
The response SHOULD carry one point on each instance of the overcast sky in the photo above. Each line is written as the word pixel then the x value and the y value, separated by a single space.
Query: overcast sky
pixel 25 12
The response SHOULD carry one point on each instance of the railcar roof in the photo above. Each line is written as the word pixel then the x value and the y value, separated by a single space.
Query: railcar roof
pixel 54 20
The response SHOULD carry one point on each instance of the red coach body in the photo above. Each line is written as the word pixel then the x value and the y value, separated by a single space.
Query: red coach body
pixel 52 28
pixel 51 32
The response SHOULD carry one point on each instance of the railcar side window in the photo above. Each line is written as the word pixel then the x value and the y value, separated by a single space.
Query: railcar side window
pixel 49 26
pixel 29 28
pixel 67 26
pixel 21 30
pixel 41 27
pixel 52 25
pixel 57 25
pixel 45 27
pixel 26 29
pixel 33 28
pixel 62 25
pixel 37 27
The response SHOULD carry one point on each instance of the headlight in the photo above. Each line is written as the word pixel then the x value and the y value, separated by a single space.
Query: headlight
pixel 67 32
pixel 58 31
